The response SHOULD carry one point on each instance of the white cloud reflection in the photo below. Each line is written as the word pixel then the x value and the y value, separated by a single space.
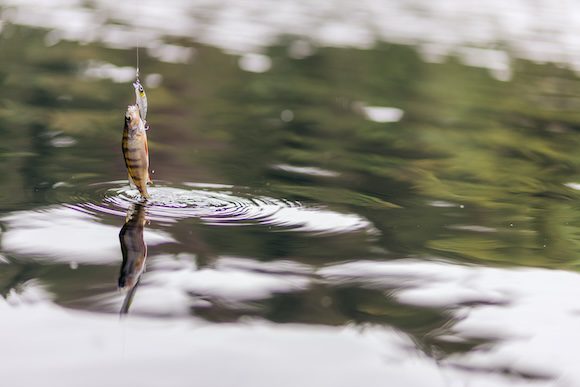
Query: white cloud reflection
pixel 65 235
pixel 313 171
pixel 532 328
pixel 531 315
pixel 484 34
pixel 382 113
pixel 152 352
pixel 228 284
pixel 48 344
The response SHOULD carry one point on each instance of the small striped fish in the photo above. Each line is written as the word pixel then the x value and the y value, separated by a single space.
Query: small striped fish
pixel 135 150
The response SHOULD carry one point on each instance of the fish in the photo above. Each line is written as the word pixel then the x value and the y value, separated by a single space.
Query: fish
pixel 133 247
pixel 141 100
pixel 136 150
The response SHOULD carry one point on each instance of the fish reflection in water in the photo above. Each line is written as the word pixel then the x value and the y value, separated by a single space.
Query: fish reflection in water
pixel 134 252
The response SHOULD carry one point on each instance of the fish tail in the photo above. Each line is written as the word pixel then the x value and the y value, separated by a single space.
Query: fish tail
pixel 143 191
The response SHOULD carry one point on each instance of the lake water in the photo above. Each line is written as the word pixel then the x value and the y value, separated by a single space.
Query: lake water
pixel 349 193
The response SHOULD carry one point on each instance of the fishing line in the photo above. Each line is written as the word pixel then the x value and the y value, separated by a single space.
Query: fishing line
pixel 136 27
pixel 137 72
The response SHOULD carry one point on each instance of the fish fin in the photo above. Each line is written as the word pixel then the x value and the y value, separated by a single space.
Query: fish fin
pixel 143 191
pixel 147 150
pixel 149 181
pixel 131 182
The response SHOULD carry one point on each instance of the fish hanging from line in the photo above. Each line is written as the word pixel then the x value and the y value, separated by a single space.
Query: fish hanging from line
pixel 136 150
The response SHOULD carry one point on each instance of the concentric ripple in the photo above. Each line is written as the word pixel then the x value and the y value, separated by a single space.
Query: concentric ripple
pixel 220 205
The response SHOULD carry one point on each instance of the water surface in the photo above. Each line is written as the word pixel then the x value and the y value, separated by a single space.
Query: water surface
pixel 333 206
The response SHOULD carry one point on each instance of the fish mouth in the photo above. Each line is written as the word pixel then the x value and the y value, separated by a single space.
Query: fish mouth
pixel 136 85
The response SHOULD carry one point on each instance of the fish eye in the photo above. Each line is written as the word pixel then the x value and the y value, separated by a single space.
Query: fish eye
pixel 140 88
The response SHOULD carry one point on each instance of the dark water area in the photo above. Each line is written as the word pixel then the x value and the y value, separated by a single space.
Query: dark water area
pixel 343 215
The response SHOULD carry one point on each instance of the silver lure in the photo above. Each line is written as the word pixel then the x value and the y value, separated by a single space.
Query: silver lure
pixel 141 99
